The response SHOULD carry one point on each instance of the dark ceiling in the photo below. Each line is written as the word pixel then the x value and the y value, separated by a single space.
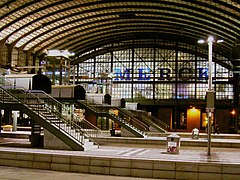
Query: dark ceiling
pixel 83 25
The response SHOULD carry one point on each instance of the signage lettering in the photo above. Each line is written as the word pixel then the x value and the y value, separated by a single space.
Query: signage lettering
pixel 118 73
pixel 144 74
pixel 203 72
pixel 164 73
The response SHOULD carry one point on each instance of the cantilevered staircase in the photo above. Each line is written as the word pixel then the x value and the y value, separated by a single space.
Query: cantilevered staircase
pixel 154 123
pixel 118 115
pixel 49 113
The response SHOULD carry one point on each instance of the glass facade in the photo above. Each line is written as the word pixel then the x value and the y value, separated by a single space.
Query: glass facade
pixel 154 73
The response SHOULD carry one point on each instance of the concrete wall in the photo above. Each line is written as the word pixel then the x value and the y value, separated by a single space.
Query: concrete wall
pixel 126 133
pixel 119 166
pixel 52 142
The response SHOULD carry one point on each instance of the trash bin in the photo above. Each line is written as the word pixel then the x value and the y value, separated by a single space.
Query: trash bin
pixel 195 133
pixel 173 144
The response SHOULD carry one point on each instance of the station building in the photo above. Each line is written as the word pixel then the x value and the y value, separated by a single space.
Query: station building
pixel 146 53
pixel 71 70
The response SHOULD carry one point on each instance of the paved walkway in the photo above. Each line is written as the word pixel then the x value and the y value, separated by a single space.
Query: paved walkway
pixel 13 173
pixel 222 157
pixel 145 151
pixel 187 154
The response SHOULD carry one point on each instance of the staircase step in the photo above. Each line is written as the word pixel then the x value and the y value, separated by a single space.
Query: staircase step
pixel 57 121
pixel 51 117
pixel 7 99
pixel 40 106
pixel 89 147
pixel 88 143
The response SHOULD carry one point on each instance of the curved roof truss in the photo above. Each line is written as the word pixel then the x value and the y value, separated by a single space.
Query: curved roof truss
pixel 81 26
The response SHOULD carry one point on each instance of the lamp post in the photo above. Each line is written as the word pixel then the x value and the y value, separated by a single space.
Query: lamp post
pixel 210 92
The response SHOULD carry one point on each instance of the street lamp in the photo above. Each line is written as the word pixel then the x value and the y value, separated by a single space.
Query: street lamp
pixel 210 92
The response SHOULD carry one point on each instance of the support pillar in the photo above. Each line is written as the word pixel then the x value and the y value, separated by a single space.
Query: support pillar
pixel 236 101
pixel 36 137
pixel 2 45
pixel 8 116
pixel 72 112
pixel 236 71
pixel 73 74
pixel 9 59
pixel 1 118
pixel 14 121
pixel 61 71
pixel 53 71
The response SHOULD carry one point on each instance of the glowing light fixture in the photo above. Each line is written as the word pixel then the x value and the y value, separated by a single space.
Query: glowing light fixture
pixel 210 92
pixel 201 41
pixel 233 112
pixel 220 41
pixel 56 52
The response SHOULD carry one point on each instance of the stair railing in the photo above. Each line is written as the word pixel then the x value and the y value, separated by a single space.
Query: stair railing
pixel 148 117
pixel 91 129
pixel 75 121
pixel 131 119
pixel 41 109
pixel 38 106
pixel 108 109
pixel 5 97
pixel 96 106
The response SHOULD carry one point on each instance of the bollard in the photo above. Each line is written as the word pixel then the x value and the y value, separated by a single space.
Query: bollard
pixel 173 144
pixel 195 133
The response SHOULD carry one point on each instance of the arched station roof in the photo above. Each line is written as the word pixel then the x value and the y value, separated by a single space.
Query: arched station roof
pixel 83 25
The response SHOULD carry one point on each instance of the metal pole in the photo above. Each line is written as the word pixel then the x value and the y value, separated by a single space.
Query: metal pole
pixel 74 69
pixel 209 131
pixel 209 109
pixel 14 121
pixel 210 43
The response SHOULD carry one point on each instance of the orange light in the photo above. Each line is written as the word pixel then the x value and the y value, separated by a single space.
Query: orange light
pixel 233 112
pixel 193 109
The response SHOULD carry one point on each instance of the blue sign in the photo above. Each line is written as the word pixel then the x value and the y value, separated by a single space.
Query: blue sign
pixel 122 75
pixel 144 74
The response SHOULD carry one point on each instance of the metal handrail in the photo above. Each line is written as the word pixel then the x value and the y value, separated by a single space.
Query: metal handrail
pixel 131 119
pixel 87 124
pixel 5 94
pixel 159 122
pixel 149 117
pixel 91 130
pixel 37 105
pixel 29 99
pixel 105 108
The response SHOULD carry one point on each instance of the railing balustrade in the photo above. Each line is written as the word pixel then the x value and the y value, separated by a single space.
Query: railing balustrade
pixel 115 112
pixel 49 108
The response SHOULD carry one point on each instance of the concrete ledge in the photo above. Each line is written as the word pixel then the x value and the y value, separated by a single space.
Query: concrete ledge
pixel 162 142
pixel 134 167
pixel 201 135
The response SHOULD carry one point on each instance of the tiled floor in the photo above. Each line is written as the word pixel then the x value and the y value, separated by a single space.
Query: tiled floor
pixel 146 151
pixel 13 173
pixel 190 163
pixel 135 154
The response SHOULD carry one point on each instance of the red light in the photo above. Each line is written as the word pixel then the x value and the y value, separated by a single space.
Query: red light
pixel 233 112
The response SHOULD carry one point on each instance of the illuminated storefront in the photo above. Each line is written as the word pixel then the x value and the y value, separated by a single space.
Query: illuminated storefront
pixel 162 79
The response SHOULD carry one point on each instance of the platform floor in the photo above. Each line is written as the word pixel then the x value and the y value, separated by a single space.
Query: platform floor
pixel 220 160
pixel 186 158
pixel 14 173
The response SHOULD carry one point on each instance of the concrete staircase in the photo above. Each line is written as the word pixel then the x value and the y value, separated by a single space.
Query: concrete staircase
pixel 48 115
